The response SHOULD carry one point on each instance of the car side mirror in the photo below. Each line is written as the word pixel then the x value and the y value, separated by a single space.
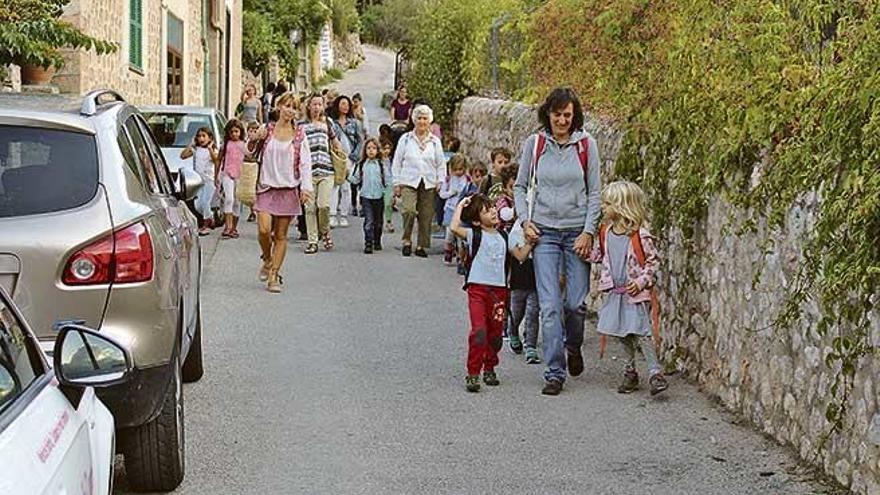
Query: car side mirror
pixel 188 184
pixel 83 357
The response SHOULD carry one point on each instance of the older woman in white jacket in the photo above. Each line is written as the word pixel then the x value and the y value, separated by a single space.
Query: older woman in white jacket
pixel 418 168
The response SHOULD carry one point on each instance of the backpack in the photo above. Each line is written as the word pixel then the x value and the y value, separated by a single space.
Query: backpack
pixel 359 172
pixel 639 251
pixel 474 248
pixel 540 144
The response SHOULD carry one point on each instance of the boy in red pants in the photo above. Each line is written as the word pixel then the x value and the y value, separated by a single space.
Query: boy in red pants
pixel 485 283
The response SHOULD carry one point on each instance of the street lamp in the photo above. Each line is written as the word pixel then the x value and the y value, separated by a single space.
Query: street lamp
pixel 295 36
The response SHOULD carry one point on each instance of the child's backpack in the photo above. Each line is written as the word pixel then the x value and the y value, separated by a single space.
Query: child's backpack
pixel 474 248
pixel 639 251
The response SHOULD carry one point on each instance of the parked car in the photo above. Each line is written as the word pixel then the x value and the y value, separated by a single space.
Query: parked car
pixel 55 434
pixel 175 126
pixel 96 233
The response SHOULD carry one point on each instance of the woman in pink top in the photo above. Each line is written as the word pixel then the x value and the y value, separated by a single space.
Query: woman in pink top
pixel 231 158
pixel 285 180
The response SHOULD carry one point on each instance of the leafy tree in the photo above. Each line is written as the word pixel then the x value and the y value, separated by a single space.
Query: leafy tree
pixel 345 17
pixel 32 33
pixel 392 23
pixel 270 24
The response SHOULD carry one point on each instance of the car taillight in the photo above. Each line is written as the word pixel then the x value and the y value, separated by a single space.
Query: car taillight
pixel 97 263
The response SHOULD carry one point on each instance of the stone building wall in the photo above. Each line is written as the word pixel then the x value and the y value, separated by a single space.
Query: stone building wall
pixel 107 19
pixel 716 324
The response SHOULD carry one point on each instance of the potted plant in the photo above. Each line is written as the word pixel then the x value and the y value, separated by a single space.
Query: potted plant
pixel 32 35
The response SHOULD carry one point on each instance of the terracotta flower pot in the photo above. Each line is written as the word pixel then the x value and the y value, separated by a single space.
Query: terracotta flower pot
pixel 34 74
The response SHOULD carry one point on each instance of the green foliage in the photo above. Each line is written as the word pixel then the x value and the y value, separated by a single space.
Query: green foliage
pixel 345 17
pixel 31 33
pixel 260 41
pixel 280 17
pixel 762 101
pixel 448 50
pixel 391 23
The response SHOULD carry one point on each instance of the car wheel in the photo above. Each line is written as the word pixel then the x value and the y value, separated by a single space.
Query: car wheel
pixel 154 452
pixel 192 366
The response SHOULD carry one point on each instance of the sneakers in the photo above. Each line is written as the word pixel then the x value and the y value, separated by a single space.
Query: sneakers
pixel 448 257
pixel 264 270
pixel 575 364
pixel 421 253
pixel 275 281
pixel 407 250
pixel 552 387
pixel 472 383
pixel 515 344
pixel 377 246
pixel 630 382
pixel 491 379
pixel 368 249
pixel 658 383
pixel 333 222
pixel 343 221
pixel 532 356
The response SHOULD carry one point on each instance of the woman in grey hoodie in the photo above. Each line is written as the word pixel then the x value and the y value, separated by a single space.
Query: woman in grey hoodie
pixel 557 198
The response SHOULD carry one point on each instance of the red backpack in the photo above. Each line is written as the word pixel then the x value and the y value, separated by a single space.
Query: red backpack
pixel 541 143
pixel 583 152
pixel 639 251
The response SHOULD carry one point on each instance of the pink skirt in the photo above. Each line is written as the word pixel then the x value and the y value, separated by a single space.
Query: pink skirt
pixel 279 202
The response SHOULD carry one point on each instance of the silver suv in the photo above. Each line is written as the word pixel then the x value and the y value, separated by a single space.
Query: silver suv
pixel 93 231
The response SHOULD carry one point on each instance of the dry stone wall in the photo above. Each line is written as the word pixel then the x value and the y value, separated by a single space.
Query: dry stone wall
pixel 719 293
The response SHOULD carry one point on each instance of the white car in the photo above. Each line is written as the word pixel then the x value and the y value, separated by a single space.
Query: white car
pixel 175 126
pixel 55 435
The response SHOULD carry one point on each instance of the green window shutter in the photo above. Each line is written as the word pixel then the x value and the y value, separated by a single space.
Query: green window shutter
pixel 136 33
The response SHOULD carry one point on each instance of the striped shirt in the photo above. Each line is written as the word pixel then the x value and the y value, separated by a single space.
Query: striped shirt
pixel 319 145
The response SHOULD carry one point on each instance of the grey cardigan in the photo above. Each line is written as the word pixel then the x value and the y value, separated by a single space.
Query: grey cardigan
pixel 562 199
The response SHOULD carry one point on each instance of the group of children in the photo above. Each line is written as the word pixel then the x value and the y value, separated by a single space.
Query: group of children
pixel 497 264
pixel 220 170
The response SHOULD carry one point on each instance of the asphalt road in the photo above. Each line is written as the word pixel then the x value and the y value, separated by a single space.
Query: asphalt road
pixel 351 382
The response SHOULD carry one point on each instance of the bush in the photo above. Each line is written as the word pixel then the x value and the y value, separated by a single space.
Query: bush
pixel 448 50
pixel 391 23
pixel 344 16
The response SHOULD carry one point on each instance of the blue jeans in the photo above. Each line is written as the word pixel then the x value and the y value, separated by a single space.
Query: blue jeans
pixel 562 315
pixel 524 310
pixel 373 213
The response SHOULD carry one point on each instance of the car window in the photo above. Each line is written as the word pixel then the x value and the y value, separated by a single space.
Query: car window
pixel 176 130
pixel 158 160
pixel 141 156
pixel 45 170
pixel 19 364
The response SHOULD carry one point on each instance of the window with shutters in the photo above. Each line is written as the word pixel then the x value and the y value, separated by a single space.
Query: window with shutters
pixel 136 34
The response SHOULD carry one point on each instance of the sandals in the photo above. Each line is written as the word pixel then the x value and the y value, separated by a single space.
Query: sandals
pixel 328 242
pixel 311 249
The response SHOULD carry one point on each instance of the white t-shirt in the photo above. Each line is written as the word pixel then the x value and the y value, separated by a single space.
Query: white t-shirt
pixel 487 267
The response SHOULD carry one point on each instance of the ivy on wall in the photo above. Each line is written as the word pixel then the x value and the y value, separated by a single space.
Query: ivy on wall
pixel 761 101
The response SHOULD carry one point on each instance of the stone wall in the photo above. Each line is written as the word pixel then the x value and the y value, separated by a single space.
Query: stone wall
pixel 108 20
pixel 717 321
pixel 348 51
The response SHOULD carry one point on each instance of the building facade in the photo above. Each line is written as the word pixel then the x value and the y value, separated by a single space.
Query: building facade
pixel 170 51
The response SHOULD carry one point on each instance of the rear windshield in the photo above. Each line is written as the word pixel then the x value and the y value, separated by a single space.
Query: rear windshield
pixel 176 130
pixel 45 170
